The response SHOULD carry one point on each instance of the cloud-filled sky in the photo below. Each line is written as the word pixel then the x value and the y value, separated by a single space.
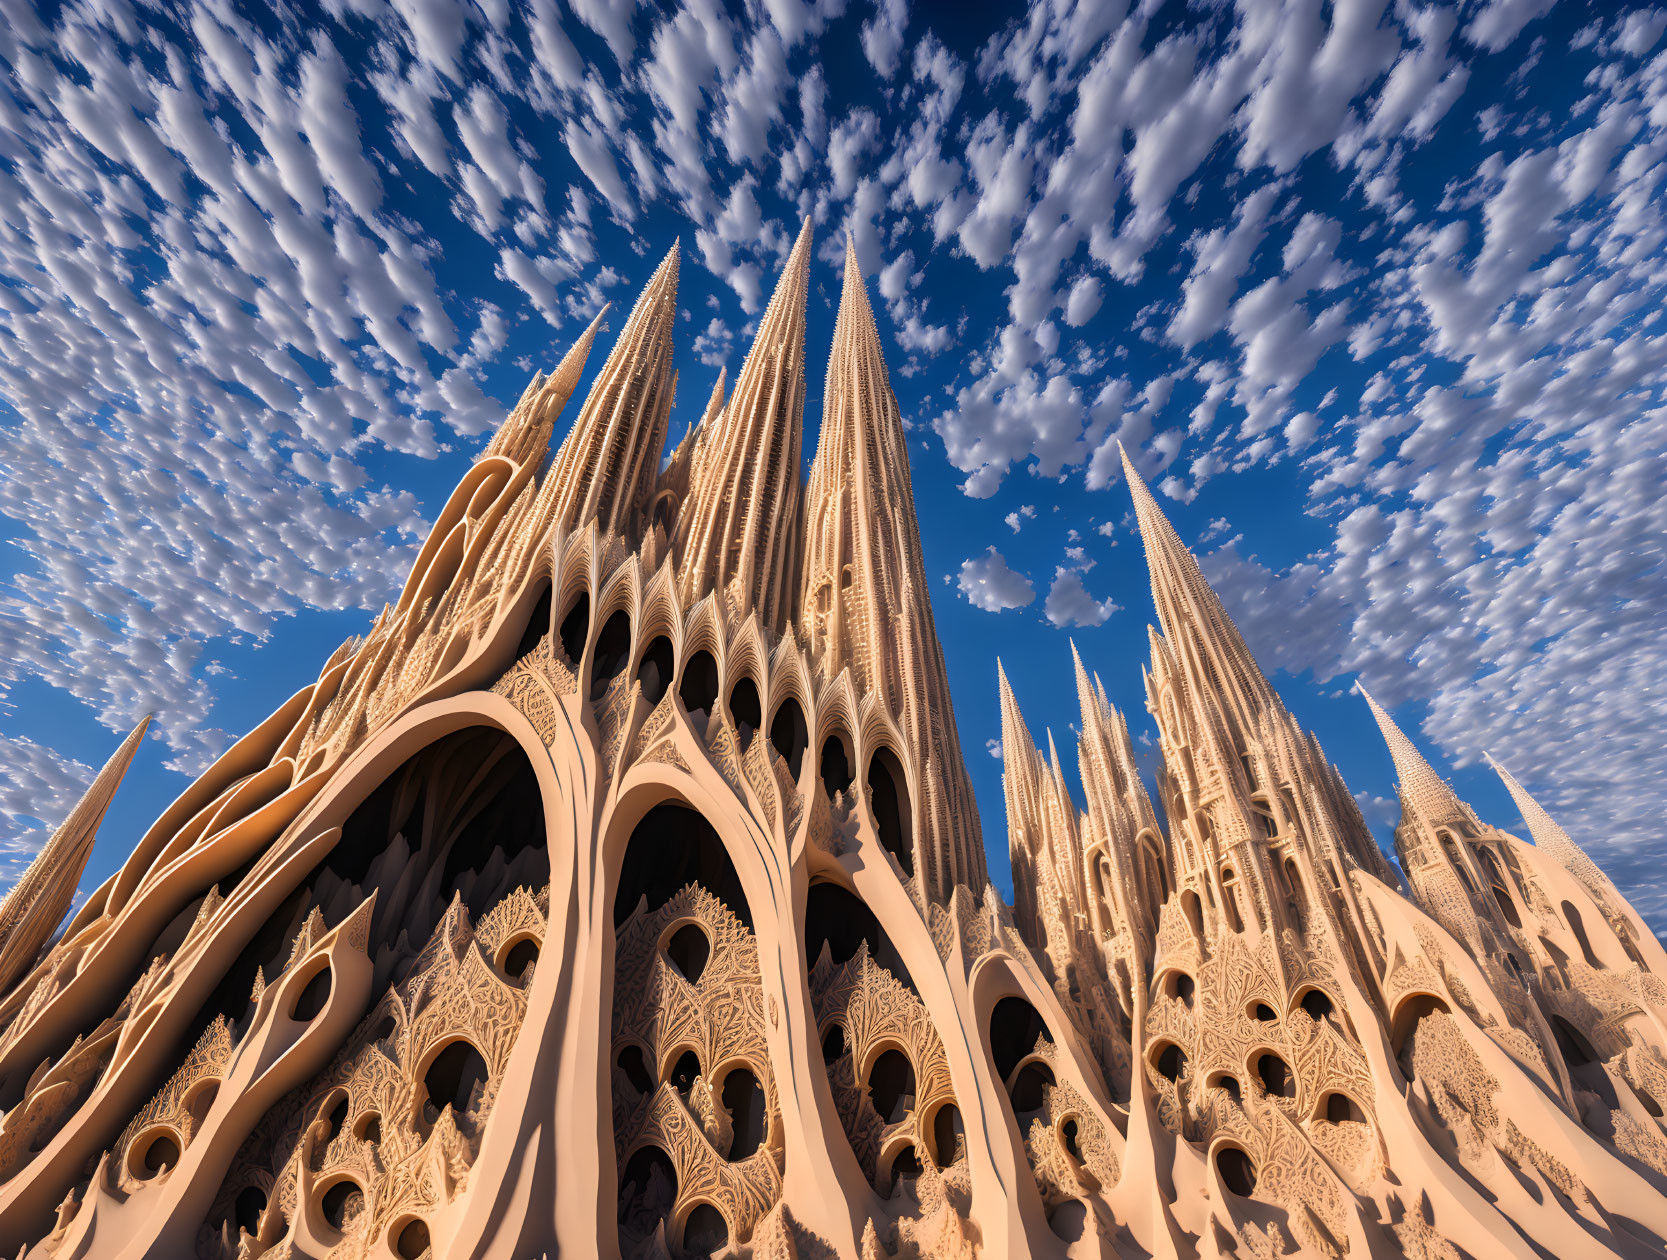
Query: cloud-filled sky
pixel 1374 291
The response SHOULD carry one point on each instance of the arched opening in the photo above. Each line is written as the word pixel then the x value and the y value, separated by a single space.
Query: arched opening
pixel 891 1086
pixel 744 710
pixel 246 1209
pixel 1230 899
pixel 538 624
pixel 154 1155
pixel 1263 1013
pixel 833 1043
pixel 674 846
pixel 699 689
pixel 1341 1109
pixel 519 962
pixel 1068 1135
pixel 575 629
pixel 343 1201
pixel 1230 1086
pixel 888 799
pixel 1577 1051
pixel 1578 927
pixel 412 1241
pixel 1069 1220
pixel 684 1072
pixel 1238 1174
pixel 613 651
pixel 1411 1016
pixel 1015 1028
pixel 456 1078
pixel 688 949
pixel 835 768
pixel 705 1231
pixel 309 1003
pixel 655 670
pixel 743 1098
pixel 1276 1076
pixel 1317 1003
pixel 949 1135
pixel 841 922
pixel 368 1128
pixel 1029 1090
pixel 635 1070
pixel 1451 849
pixel 788 735
pixel 1296 894
pixel 1194 910
pixel 1180 986
pixel 1170 1061
pixel 1156 869
pixel 647 1190
pixel 905 1168
pixel 334 1119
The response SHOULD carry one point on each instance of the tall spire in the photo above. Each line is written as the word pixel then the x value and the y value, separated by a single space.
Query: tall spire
pixel 607 467
pixel 737 527
pixel 1550 838
pixel 36 904
pixel 1423 792
pixel 865 602
pixel 526 434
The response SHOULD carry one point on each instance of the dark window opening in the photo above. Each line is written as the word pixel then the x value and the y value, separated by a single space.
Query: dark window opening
pixel 905 1168
pixel 1577 1051
pixel 1185 988
pixel 1276 1076
pixel 1230 1084
pixel 788 735
pixel 341 1203
pixel 705 1231
pixel 1238 1174
pixel 889 801
pixel 835 768
pixel 647 1190
pixel 631 1063
pixel 312 998
pixel 656 670
pixel 699 688
pixel 949 1136
pixel 743 1098
pixel 1068 1139
pixel 1194 911
pixel 1069 1220
pixel 538 624
pixel 1014 1028
pixel 1264 1012
pixel 839 920
pixel 688 950
pixel 334 1121
pixel 452 1078
pixel 1317 1003
pixel 1030 1087
pixel 684 1072
pixel 161 1155
pixel 518 963
pixel 575 629
pixel 1507 907
pixel 833 1044
pixel 247 1207
pixel 1650 1104
pixel 613 651
pixel 1579 929
pixel 672 847
pixel 1172 1062
pixel 369 1129
pixel 1340 1108
pixel 891 1086
pixel 745 710
pixel 413 1241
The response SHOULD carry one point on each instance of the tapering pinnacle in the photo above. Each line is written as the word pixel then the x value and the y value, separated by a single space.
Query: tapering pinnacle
pixel 738 522
pixel 606 469
pixel 526 434
pixel 36 904
pixel 1422 789
pixel 1551 838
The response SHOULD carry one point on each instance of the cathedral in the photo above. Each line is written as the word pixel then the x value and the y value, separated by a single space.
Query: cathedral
pixel 621 893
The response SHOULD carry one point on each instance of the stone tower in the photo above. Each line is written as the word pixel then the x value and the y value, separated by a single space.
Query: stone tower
pixel 621 893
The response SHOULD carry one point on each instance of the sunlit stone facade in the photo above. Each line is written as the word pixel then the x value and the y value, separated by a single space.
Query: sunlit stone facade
pixel 621 893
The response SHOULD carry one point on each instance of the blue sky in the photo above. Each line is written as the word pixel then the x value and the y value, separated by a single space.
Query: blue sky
pixel 1373 291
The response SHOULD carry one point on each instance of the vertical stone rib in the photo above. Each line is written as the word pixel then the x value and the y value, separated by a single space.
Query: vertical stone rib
pixel 607 467
pixel 36 904
pixel 864 598
pixel 735 531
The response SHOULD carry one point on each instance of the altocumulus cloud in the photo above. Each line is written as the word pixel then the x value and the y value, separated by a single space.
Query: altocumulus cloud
pixel 989 584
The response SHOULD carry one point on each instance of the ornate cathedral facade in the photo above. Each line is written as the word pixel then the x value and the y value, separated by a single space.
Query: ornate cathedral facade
pixel 621 894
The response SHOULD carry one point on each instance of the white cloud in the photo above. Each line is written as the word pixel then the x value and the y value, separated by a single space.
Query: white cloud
pixel 988 583
pixel 882 35
pixel 1070 604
